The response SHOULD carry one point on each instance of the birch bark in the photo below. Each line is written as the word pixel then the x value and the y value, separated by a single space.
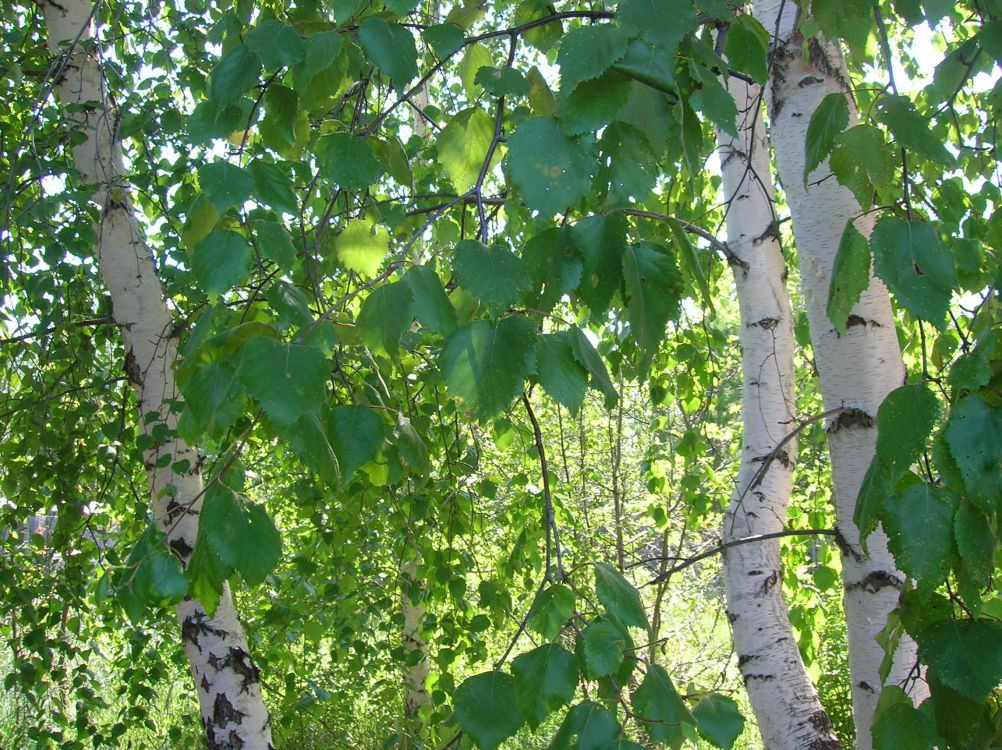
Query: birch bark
pixel 227 681
pixel 858 369
pixel 782 696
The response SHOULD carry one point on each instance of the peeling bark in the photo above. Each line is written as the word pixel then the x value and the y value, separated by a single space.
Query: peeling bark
pixel 858 368
pixel 785 703
pixel 227 682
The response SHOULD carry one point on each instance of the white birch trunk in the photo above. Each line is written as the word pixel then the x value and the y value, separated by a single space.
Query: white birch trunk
pixel 857 369
pixel 227 681
pixel 416 667
pixel 784 701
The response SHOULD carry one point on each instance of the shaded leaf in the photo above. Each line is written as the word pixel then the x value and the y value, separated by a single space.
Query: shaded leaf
pixel 486 708
pixel 486 362
pixel 915 265
pixel 619 597
pixel 391 47
pixel 288 380
pixel 495 275
pixel 546 678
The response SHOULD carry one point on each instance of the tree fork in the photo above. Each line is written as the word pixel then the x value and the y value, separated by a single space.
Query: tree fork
pixel 226 680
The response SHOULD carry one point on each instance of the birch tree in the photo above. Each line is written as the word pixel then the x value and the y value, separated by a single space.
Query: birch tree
pixel 781 693
pixel 859 364
pixel 227 681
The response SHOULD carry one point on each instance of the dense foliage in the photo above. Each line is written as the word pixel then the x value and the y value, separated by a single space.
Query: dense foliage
pixel 457 339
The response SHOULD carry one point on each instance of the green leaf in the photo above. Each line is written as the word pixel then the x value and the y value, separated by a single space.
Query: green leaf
pixel 850 276
pixel 272 186
pixel 585 353
pixel 664 22
pixel 237 70
pixel 551 610
pixel 221 261
pixel 974 434
pixel 898 725
pixel 445 38
pixel 653 296
pixel 240 533
pixel 658 705
pixel 863 161
pixel 502 81
pixel 747 47
pixel 486 708
pixel 915 265
pixel 588 51
pixel 910 129
pixel 829 120
pixel 716 104
pixel 357 435
pixel 553 264
pixel 495 275
pixel 391 47
pixel 431 305
pixel 462 146
pixel 593 104
pixel 309 440
pixel 276 44
pixel 475 58
pixel 600 648
pixel 212 399
pixel 486 362
pixel 628 164
pixel 551 170
pixel 225 184
pixel 288 380
pixel 590 724
pixel 972 532
pixel 849 19
pixel 650 65
pixel 281 107
pixel 619 597
pixel 561 375
pixel 964 655
pixel 692 266
pixel 385 315
pixel 210 119
pixel 349 161
pixel 275 243
pixel 919 526
pixel 876 487
pixel 322 49
pixel 719 720
pixel 545 679
pixel 412 449
pixel 601 240
pixel 152 576
pixel 904 421
pixel 362 246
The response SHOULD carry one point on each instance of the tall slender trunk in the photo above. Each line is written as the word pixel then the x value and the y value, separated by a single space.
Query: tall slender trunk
pixel 416 662
pixel 226 679
pixel 782 696
pixel 857 369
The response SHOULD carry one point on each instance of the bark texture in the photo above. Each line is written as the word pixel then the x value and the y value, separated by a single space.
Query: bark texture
pixel 858 369
pixel 782 696
pixel 227 682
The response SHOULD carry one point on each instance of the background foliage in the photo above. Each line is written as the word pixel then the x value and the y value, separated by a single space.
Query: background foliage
pixel 449 293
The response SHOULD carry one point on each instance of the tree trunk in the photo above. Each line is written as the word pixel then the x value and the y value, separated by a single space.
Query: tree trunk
pixel 227 682
pixel 782 696
pixel 416 666
pixel 857 369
